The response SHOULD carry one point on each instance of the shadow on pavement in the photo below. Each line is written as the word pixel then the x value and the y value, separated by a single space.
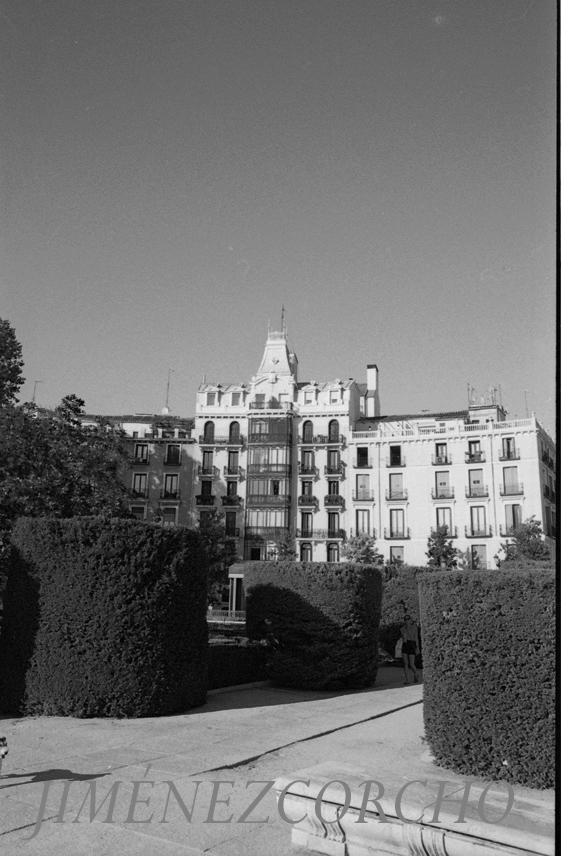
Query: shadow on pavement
pixel 50 776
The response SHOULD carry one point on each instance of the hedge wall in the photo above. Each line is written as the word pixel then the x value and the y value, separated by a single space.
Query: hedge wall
pixel 103 618
pixel 400 596
pixel 230 665
pixel 489 654
pixel 321 620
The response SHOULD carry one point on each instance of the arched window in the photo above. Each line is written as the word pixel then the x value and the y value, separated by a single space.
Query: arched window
pixel 333 552
pixel 307 432
pixel 333 431
pixel 234 432
pixel 305 552
pixel 208 433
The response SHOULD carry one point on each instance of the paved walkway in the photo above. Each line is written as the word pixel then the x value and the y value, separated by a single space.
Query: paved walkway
pixel 238 737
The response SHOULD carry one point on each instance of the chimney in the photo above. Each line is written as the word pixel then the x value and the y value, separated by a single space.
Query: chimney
pixel 372 403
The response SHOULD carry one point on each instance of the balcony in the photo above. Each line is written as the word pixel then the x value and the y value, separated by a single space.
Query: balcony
pixel 321 534
pixel 140 493
pixel 333 499
pixel 271 404
pixel 548 460
pixel 363 496
pixel 232 532
pixel 259 500
pixel 322 440
pixel 308 500
pixel 305 470
pixel 203 499
pixel 486 532
pixel 353 533
pixel 171 495
pixel 221 441
pixel 233 472
pixel 207 470
pixel 552 531
pixel 264 439
pixel 141 461
pixel 505 531
pixel 395 462
pixel 452 532
pixel 441 460
pixel 511 489
pixel 475 457
pixel 333 470
pixel 397 534
pixel 258 533
pixel 549 493
pixel 510 455
pixel 277 469
pixel 477 492
pixel 172 460
pixel 234 500
pixel 392 495
pixel 442 493
pixel 362 464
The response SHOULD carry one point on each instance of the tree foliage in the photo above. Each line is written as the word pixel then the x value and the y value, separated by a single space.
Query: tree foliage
pixel 441 553
pixel 527 545
pixel 220 553
pixel 285 547
pixel 10 364
pixel 362 550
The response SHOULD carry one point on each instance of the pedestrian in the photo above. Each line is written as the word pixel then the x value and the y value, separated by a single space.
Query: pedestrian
pixel 410 649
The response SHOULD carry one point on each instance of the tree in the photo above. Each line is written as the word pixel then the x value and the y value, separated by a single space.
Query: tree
pixel 285 547
pixel 10 364
pixel 441 553
pixel 527 545
pixel 362 550
pixel 220 551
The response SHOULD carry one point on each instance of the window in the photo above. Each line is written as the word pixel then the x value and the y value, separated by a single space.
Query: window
pixel 474 450
pixel 305 552
pixel 230 523
pixel 333 431
pixel 442 480
pixel 206 487
pixel 207 462
pixel 171 484
pixel 308 398
pixel 509 449
pixel 362 456
pixel 333 552
pixel 362 521
pixel 334 396
pixel 513 516
pixel 307 488
pixel 208 432
pixel 134 434
pixel 307 432
pixel 236 399
pixel 476 487
pixel 333 524
pixel 211 399
pixel 397 523
pixel 333 461
pixel 260 399
pixel 231 488
pixel 363 486
pixel 332 488
pixel 138 511
pixel 275 487
pixel 510 479
pixel 141 452
pixel 307 461
pixel 233 463
pixel 396 485
pixel 169 515
pixel 444 518
pixel 173 454
pixel 307 523
pixel 395 456
pixel 477 514
pixel 234 434
pixel 140 484
pixel 441 453
pixel 479 556
pixel 396 555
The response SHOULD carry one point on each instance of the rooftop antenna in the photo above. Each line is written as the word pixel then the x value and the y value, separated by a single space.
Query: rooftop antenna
pixel 500 396
pixel 526 400
pixel 35 390
pixel 165 411
pixel 282 319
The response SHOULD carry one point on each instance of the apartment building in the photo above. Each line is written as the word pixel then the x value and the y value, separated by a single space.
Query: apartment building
pixel 316 462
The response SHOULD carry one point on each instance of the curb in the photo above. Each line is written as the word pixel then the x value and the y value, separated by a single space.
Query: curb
pixel 238 687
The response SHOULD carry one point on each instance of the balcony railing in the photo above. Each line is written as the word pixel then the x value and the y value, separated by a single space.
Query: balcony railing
pixel 549 493
pixel 321 534
pixel 271 404
pixel 322 440
pixel 333 499
pixel 172 460
pixel 305 470
pixel 475 457
pixel 397 534
pixel 265 439
pixel 233 472
pixel 333 470
pixel 451 533
pixel 505 531
pixel 442 493
pixel 207 470
pixel 203 499
pixel 139 493
pixel 141 461
pixel 511 489
pixel 395 462
pixel 258 533
pixel 231 500
pixel 477 492
pixel 307 500
pixel 258 500
pixel 363 496
pixel 400 494
pixel 277 469
pixel 509 455
pixel 548 460
pixel 441 460
pixel 239 440
pixel 362 464
pixel 546 492
pixel 372 534
pixel 170 494
pixel 486 532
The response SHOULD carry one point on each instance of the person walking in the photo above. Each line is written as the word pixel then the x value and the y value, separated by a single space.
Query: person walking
pixel 410 648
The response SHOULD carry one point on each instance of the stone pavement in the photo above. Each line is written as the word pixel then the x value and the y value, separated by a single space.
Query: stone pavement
pixel 252 735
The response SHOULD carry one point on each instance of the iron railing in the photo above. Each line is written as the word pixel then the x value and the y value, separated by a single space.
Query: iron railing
pixel 486 532
pixel 511 489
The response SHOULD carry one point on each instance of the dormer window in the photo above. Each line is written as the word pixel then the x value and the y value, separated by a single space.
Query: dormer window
pixel 334 396
pixel 309 397
pixel 236 399
pixel 210 399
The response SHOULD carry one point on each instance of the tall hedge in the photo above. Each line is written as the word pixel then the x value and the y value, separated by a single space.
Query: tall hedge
pixel 400 596
pixel 321 620
pixel 103 618
pixel 489 654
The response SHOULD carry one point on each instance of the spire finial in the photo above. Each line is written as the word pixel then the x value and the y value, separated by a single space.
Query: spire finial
pixel 282 319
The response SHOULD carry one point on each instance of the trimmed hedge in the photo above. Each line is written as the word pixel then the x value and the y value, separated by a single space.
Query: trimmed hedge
pixel 400 596
pixel 230 665
pixel 103 618
pixel 489 653
pixel 321 620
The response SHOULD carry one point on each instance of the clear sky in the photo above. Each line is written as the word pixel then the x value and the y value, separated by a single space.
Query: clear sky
pixel 174 171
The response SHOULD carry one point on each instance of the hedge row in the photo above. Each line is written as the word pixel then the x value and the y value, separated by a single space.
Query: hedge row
pixel 489 654
pixel 230 665
pixel 103 618
pixel 321 620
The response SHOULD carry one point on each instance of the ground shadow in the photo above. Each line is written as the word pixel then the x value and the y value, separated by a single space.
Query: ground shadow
pixel 53 775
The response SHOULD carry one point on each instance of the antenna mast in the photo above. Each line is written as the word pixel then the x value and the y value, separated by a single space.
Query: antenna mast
pixel 167 389
pixel 35 390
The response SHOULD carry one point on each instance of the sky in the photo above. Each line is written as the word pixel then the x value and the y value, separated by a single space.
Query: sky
pixel 173 172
